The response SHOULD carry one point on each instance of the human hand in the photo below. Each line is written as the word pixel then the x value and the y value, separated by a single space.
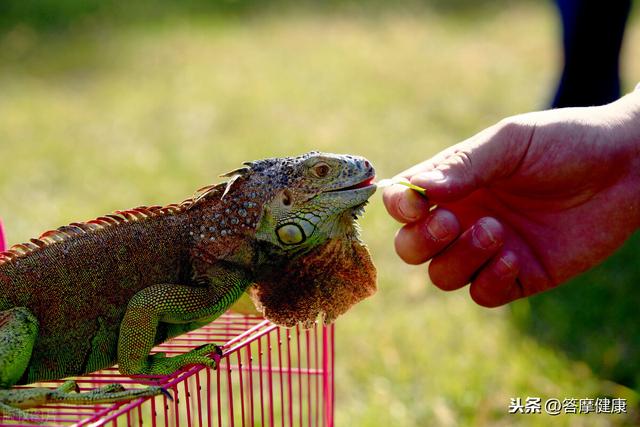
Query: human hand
pixel 526 204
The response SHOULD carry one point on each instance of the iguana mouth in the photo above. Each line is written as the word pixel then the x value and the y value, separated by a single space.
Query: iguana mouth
pixel 366 183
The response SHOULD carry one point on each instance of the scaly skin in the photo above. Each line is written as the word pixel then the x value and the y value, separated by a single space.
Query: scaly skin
pixel 90 295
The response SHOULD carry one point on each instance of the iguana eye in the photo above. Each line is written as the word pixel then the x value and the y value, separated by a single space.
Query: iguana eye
pixel 290 234
pixel 320 170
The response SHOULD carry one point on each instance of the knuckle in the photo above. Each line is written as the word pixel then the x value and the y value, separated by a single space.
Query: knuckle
pixel 489 221
pixel 514 128
pixel 486 235
pixel 508 126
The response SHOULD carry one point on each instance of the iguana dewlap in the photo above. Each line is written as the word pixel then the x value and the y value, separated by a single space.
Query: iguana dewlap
pixel 89 295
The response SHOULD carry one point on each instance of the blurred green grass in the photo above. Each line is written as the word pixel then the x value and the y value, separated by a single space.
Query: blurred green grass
pixel 106 114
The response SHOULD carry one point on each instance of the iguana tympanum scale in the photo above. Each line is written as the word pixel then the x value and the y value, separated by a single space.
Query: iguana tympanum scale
pixel 89 295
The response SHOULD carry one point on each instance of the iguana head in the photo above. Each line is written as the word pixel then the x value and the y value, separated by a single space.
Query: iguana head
pixel 315 261
pixel 291 222
pixel 316 197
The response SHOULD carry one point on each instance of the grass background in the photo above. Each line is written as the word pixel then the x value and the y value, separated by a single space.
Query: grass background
pixel 105 106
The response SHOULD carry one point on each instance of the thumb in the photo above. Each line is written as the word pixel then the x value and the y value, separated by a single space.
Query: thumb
pixel 491 155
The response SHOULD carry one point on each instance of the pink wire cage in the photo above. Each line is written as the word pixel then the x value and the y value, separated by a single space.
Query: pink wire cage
pixel 3 241
pixel 267 376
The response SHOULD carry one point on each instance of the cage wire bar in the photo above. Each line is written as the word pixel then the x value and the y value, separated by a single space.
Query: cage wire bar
pixel 268 376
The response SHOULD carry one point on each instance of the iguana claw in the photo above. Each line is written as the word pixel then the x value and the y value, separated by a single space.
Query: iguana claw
pixel 166 393
pixel 217 356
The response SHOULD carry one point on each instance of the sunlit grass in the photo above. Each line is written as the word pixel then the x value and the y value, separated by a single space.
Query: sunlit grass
pixel 104 119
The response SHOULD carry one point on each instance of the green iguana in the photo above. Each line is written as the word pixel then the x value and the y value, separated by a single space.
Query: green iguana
pixel 89 295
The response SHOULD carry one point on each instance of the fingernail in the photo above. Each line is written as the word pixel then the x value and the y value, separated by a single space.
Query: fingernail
pixel 482 237
pixel 407 209
pixel 434 175
pixel 504 267
pixel 437 228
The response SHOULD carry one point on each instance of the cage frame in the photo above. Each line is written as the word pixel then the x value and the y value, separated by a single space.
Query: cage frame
pixel 247 335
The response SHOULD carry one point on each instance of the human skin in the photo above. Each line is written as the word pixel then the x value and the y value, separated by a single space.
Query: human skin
pixel 526 204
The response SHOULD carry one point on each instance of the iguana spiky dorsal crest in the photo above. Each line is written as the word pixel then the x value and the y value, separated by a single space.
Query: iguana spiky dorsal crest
pixel 67 232
pixel 211 193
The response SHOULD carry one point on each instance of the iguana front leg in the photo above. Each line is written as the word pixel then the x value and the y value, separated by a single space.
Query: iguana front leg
pixel 174 304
